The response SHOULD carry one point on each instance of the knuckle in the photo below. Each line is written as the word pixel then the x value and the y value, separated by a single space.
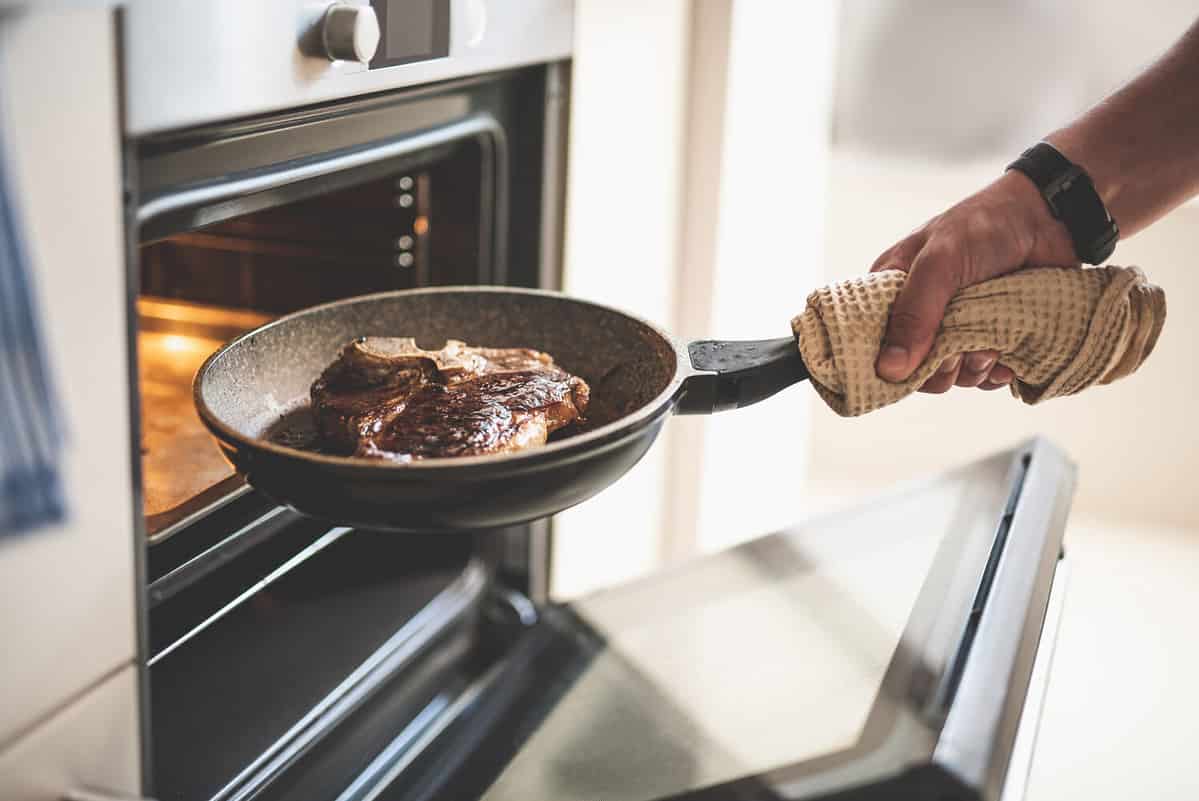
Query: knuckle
pixel 881 262
pixel 891 258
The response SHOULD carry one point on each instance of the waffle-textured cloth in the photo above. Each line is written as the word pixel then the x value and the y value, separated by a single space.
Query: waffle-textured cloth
pixel 1060 330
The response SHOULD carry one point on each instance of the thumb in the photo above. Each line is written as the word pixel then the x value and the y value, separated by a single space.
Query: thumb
pixel 917 311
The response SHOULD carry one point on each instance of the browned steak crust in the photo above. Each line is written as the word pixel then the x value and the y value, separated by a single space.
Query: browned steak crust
pixel 386 398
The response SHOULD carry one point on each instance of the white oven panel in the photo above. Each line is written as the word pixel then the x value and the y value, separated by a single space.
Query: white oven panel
pixel 188 63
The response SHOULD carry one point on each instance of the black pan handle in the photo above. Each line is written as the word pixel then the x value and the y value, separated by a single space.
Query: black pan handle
pixel 731 375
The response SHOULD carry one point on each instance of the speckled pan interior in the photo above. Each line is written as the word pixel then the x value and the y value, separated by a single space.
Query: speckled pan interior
pixel 268 373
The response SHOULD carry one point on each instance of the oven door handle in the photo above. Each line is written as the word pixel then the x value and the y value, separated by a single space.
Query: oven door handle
pixel 197 205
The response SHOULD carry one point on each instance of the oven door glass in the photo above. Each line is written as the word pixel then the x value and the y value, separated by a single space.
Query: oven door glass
pixel 869 649
pixel 423 217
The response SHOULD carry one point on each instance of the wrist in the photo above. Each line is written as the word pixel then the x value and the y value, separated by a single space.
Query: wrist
pixel 1049 239
pixel 1069 193
pixel 1096 165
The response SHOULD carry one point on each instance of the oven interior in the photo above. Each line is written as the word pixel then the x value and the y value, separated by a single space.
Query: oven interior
pixel 199 289
pixel 287 657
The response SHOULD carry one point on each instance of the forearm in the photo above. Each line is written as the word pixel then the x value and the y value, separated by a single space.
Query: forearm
pixel 1141 145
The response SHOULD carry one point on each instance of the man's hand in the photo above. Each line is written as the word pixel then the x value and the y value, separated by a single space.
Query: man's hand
pixel 1004 227
pixel 1139 148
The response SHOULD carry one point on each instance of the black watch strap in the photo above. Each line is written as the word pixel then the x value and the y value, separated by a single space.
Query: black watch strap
pixel 1072 199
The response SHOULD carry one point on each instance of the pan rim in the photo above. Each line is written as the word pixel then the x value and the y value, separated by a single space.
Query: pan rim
pixel 660 404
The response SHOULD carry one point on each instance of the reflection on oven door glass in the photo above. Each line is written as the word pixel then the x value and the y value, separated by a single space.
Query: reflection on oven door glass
pixel 768 655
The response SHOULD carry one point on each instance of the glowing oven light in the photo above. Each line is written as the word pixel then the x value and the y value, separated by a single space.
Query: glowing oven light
pixel 179 349
pixel 176 344
pixel 420 226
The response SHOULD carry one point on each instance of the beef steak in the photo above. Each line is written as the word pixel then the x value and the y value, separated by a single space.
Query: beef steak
pixel 386 398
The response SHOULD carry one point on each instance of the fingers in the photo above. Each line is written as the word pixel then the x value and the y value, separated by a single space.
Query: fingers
pixel 999 377
pixel 945 377
pixel 976 367
pixel 917 311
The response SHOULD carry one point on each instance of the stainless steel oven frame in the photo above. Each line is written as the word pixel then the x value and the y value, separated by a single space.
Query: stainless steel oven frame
pixel 184 179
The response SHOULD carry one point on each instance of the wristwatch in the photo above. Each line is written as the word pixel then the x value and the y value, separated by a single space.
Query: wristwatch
pixel 1072 199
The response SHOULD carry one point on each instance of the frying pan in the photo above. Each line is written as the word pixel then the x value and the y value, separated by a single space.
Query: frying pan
pixel 253 395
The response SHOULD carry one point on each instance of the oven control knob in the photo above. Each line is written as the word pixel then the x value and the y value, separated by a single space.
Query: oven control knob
pixel 350 32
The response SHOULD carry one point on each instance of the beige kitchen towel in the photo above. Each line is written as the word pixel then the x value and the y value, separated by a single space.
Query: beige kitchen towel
pixel 1060 330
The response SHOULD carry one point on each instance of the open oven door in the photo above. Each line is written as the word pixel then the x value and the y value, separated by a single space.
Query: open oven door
pixel 894 650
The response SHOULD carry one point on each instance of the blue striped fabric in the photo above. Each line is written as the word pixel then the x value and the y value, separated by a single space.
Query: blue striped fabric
pixel 31 492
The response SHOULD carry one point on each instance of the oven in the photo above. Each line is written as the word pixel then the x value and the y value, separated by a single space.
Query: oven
pixel 277 156
pixel 284 657
pixel 236 224
pixel 372 195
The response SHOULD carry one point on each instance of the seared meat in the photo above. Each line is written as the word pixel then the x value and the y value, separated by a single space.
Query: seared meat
pixel 386 398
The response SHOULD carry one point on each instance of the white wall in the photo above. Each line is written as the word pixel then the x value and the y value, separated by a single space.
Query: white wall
pixel 949 80
pixel 623 200
pixel 753 245
pixel 1119 716
pixel 695 199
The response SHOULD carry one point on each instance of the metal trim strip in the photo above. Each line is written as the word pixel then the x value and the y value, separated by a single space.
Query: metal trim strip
pixel 976 741
pixel 400 650
pixel 412 741
pixel 195 198
pixel 258 530
pixel 330 537
pixel 201 510
pixel 1015 783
